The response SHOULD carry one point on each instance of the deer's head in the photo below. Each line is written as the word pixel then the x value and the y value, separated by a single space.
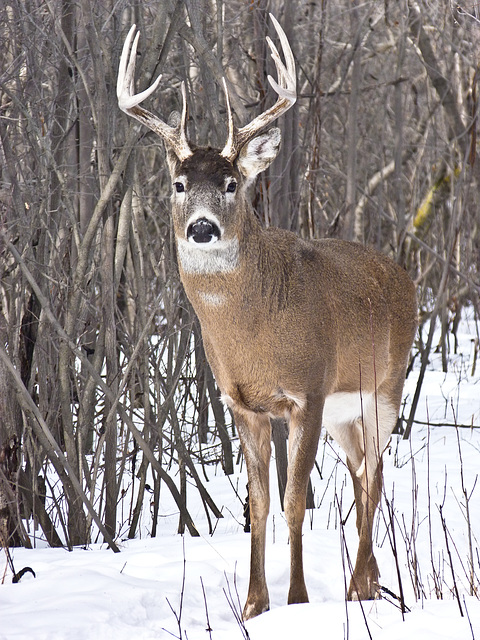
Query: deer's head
pixel 208 185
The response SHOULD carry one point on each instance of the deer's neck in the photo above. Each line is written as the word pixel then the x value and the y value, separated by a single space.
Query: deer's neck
pixel 234 275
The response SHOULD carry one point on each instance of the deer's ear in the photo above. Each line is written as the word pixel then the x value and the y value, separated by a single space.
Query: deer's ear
pixel 259 153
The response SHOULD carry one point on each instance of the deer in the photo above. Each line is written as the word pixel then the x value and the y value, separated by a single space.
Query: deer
pixel 311 331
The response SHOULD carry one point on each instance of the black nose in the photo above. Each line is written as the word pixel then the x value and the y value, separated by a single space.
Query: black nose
pixel 202 231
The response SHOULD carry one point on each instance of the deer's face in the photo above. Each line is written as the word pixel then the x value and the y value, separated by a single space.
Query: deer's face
pixel 208 205
pixel 205 192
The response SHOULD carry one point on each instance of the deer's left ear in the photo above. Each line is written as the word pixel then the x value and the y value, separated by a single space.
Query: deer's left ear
pixel 259 153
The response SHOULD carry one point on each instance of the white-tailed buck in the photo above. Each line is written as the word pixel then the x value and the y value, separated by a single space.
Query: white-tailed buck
pixel 312 331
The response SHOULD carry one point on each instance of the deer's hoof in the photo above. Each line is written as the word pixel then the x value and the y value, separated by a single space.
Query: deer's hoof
pixel 255 608
pixel 366 589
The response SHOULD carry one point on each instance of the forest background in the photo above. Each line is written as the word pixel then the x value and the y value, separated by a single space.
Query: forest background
pixel 105 394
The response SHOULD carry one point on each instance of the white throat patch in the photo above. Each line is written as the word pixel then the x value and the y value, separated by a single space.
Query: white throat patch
pixel 222 256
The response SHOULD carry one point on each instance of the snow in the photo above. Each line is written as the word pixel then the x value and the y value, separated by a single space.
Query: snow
pixel 142 592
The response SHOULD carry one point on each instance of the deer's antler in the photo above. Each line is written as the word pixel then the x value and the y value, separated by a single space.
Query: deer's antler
pixel 176 137
pixel 287 95
pixel 129 101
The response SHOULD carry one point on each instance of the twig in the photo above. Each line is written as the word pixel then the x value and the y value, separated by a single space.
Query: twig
pixel 393 544
pixel 444 525
pixel 6 567
pixel 178 616
pixel 447 424
pixel 347 555
pixel 345 520
pixel 401 604
pixel 209 628
pixel 19 575
pixel 468 618
pixel 9 561
pixel 436 581
pixel 235 607
pixel 467 512
pixel 182 593
pixel 344 552
pixel 412 544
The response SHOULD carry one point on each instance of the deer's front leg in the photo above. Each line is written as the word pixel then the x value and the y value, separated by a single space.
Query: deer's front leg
pixel 255 431
pixel 302 448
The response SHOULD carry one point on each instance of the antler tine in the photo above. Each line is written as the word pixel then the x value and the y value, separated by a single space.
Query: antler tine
pixel 126 74
pixel 285 88
pixel 286 80
pixel 289 59
pixel 129 102
pixel 231 125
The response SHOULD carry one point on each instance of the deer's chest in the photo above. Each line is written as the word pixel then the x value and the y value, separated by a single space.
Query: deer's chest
pixel 252 379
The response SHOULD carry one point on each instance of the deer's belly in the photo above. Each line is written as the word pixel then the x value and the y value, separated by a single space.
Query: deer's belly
pixel 278 403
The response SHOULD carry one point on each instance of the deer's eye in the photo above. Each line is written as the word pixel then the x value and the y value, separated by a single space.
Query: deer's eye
pixel 231 187
pixel 179 187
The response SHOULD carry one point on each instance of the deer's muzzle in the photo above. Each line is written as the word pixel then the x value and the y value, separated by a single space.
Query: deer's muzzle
pixel 203 231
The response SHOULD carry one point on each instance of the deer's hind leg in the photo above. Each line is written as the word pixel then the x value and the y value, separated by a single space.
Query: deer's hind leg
pixel 364 583
pixel 363 433
pixel 370 435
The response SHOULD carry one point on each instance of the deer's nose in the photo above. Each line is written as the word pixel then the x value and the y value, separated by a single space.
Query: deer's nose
pixel 203 231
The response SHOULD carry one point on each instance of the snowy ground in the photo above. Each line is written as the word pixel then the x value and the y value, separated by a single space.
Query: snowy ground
pixel 94 593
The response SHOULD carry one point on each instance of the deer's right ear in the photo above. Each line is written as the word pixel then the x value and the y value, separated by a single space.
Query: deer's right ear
pixel 259 153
